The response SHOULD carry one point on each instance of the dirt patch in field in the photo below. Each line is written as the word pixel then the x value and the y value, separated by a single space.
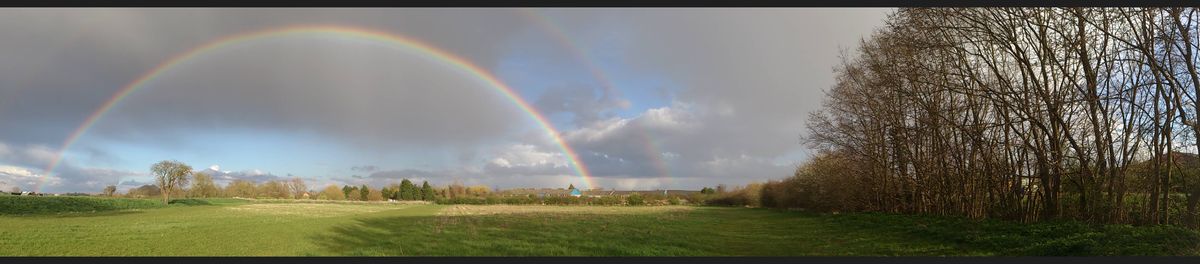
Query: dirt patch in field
pixel 527 209
pixel 310 209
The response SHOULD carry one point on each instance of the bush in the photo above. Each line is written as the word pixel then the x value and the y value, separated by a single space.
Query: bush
pixel 462 200
pixel 750 195
pixel 189 202
pixel 562 200
pixel 608 200
pixel 520 200
pixel 820 184
pixel 673 200
pixel 492 200
pixel 635 199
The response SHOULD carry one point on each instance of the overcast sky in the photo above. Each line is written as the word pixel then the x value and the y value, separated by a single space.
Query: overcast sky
pixel 649 98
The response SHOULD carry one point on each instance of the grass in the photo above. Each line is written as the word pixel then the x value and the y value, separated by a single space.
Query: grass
pixel 239 227
pixel 22 205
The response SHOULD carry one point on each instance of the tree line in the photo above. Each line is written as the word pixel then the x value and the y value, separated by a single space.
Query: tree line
pixel 1017 113
pixel 174 178
pixel 177 179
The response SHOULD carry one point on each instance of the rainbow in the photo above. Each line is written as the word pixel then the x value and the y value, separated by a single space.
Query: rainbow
pixel 394 40
pixel 651 149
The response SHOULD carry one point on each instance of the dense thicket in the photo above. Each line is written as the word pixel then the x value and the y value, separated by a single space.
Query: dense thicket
pixel 1015 113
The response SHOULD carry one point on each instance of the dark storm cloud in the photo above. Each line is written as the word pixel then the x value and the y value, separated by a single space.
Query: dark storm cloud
pixel 58 65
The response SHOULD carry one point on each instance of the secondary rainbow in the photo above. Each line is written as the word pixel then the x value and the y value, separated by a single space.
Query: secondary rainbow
pixel 392 39
pixel 649 146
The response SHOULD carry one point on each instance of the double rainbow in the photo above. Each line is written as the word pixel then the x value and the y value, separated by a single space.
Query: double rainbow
pixel 391 39
pixel 649 147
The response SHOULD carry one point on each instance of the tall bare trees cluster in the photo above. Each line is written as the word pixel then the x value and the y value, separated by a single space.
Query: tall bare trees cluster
pixel 1021 113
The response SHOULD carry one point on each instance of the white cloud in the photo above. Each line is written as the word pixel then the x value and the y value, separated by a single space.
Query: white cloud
pixel 596 131
pixel 17 171
pixel 523 155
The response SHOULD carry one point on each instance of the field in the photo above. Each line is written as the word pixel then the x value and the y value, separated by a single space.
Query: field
pixel 239 227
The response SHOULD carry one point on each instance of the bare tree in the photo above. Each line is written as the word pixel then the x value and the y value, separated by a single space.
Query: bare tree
pixel 170 175
pixel 297 187
pixel 109 190
pixel 1019 113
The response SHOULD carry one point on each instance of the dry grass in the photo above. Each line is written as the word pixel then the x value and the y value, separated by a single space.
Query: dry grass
pixel 526 209
pixel 310 209
pixel 334 202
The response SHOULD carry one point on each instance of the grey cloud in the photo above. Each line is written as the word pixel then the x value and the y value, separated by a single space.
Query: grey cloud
pixel 365 168
pixel 578 100
pixel 299 85
pixel 408 174
pixel 528 170
pixel 255 176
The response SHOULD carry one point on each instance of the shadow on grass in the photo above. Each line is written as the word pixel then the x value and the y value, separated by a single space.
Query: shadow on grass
pixel 84 206
pixel 1009 238
pixel 189 202
pixel 96 214
pixel 746 232
pixel 520 234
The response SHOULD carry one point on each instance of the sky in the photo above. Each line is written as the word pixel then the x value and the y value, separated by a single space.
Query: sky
pixel 654 98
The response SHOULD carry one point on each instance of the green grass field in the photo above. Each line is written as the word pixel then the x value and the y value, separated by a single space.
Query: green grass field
pixel 238 227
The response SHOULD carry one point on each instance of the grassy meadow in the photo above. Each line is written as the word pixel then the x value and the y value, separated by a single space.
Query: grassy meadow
pixel 222 227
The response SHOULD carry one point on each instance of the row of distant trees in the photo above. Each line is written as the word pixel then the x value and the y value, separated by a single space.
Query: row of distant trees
pixel 177 179
pixel 1018 113
pixel 404 191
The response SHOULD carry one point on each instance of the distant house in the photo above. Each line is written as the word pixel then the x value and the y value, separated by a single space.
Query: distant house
pixel 576 193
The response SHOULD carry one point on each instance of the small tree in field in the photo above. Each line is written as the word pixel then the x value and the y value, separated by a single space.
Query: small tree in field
pixel 364 192
pixel 407 190
pixel 332 192
pixel 427 192
pixel 297 187
pixel 109 190
pixel 355 195
pixel 170 175
pixel 374 195
pixel 203 186
pixel 385 192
